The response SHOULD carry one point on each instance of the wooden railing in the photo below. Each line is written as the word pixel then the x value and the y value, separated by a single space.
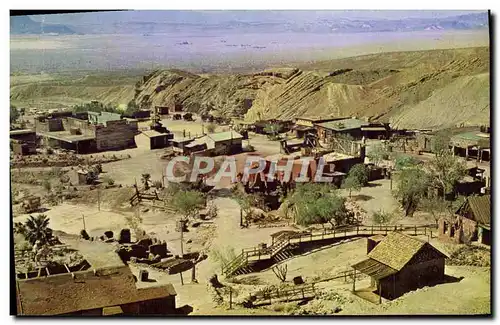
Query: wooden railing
pixel 294 293
pixel 343 232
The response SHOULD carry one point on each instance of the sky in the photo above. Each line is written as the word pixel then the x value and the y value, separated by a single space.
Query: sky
pixel 246 16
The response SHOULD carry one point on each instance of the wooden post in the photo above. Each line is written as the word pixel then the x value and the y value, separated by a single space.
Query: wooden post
pixel 83 217
pixel 379 293
pixel 182 280
pixel 193 274
pixel 415 230
pixel 182 235
pixel 354 281
pixel 98 198
pixel 241 217
pixel 230 298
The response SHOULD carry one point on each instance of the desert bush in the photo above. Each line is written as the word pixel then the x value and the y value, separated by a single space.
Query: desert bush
pixel 211 127
pixel 223 255
pixel 47 185
pixel 280 271
pixel 381 218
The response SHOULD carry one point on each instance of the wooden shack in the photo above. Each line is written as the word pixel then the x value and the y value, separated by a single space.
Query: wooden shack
pixel 400 263
pixel 471 222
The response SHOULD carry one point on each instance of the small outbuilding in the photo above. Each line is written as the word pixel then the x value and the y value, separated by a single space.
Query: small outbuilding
pixel 472 222
pixel 155 139
pixel 398 264
pixel 224 143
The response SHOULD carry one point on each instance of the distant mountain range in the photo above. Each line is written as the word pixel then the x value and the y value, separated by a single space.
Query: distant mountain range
pixel 152 22
pixel 25 25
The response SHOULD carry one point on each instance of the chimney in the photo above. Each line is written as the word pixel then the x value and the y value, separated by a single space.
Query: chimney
pixel 143 275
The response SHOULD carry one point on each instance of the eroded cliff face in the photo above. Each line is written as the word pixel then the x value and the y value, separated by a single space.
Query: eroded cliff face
pixel 423 89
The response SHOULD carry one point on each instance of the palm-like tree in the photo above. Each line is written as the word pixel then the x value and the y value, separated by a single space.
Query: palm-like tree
pixel 37 229
pixel 145 180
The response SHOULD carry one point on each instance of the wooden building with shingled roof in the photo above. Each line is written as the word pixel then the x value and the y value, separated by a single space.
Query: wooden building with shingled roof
pixel 398 264
pixel 472 222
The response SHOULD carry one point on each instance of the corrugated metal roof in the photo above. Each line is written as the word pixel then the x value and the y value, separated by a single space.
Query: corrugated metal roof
pixel 471 138
pixel 153 133
pixel 224 136
pixel 374 269
pixel 23 131
pixel 342 125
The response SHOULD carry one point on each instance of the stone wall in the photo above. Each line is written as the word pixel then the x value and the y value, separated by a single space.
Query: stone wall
pixel 461 231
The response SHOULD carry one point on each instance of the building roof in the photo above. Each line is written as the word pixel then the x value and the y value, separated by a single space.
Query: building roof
pixel 23 131
pixel 373 128
pixel 319 119
pixel 153 133
pixel 224 136
pixel 336 156
pixel 396 250
pixel 67 137
pixel 480 207
pixel 374 268
pixel 345 124
pixel 197 142
pixel 61 294
pixel 181 139
pixel 471 138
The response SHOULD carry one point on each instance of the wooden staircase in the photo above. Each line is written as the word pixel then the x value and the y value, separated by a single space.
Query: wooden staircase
pixel 282 247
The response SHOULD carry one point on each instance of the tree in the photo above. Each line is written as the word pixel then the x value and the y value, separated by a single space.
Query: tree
pixel 435 207
pixel 351 183
pixel 132 107
pixel 404 161
pixel 14 114
pixel 187 203
pixel 211 127
pixel 446 170
pixel 314 203
pixel 37 229
pixel 145 180
pixel 441 143
pixel 360 173
pixel 272 130
pixel 378 153
pixel 413 185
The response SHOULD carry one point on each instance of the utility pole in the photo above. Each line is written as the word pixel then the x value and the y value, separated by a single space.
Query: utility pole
pixel 98 198
pixel 182 237
pixel 241 217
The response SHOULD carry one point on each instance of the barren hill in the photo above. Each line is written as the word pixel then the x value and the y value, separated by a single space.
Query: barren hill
pixel 421 89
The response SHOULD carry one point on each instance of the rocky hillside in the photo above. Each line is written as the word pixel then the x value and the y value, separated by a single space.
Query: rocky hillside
pixel 425 89
pixel 419 89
